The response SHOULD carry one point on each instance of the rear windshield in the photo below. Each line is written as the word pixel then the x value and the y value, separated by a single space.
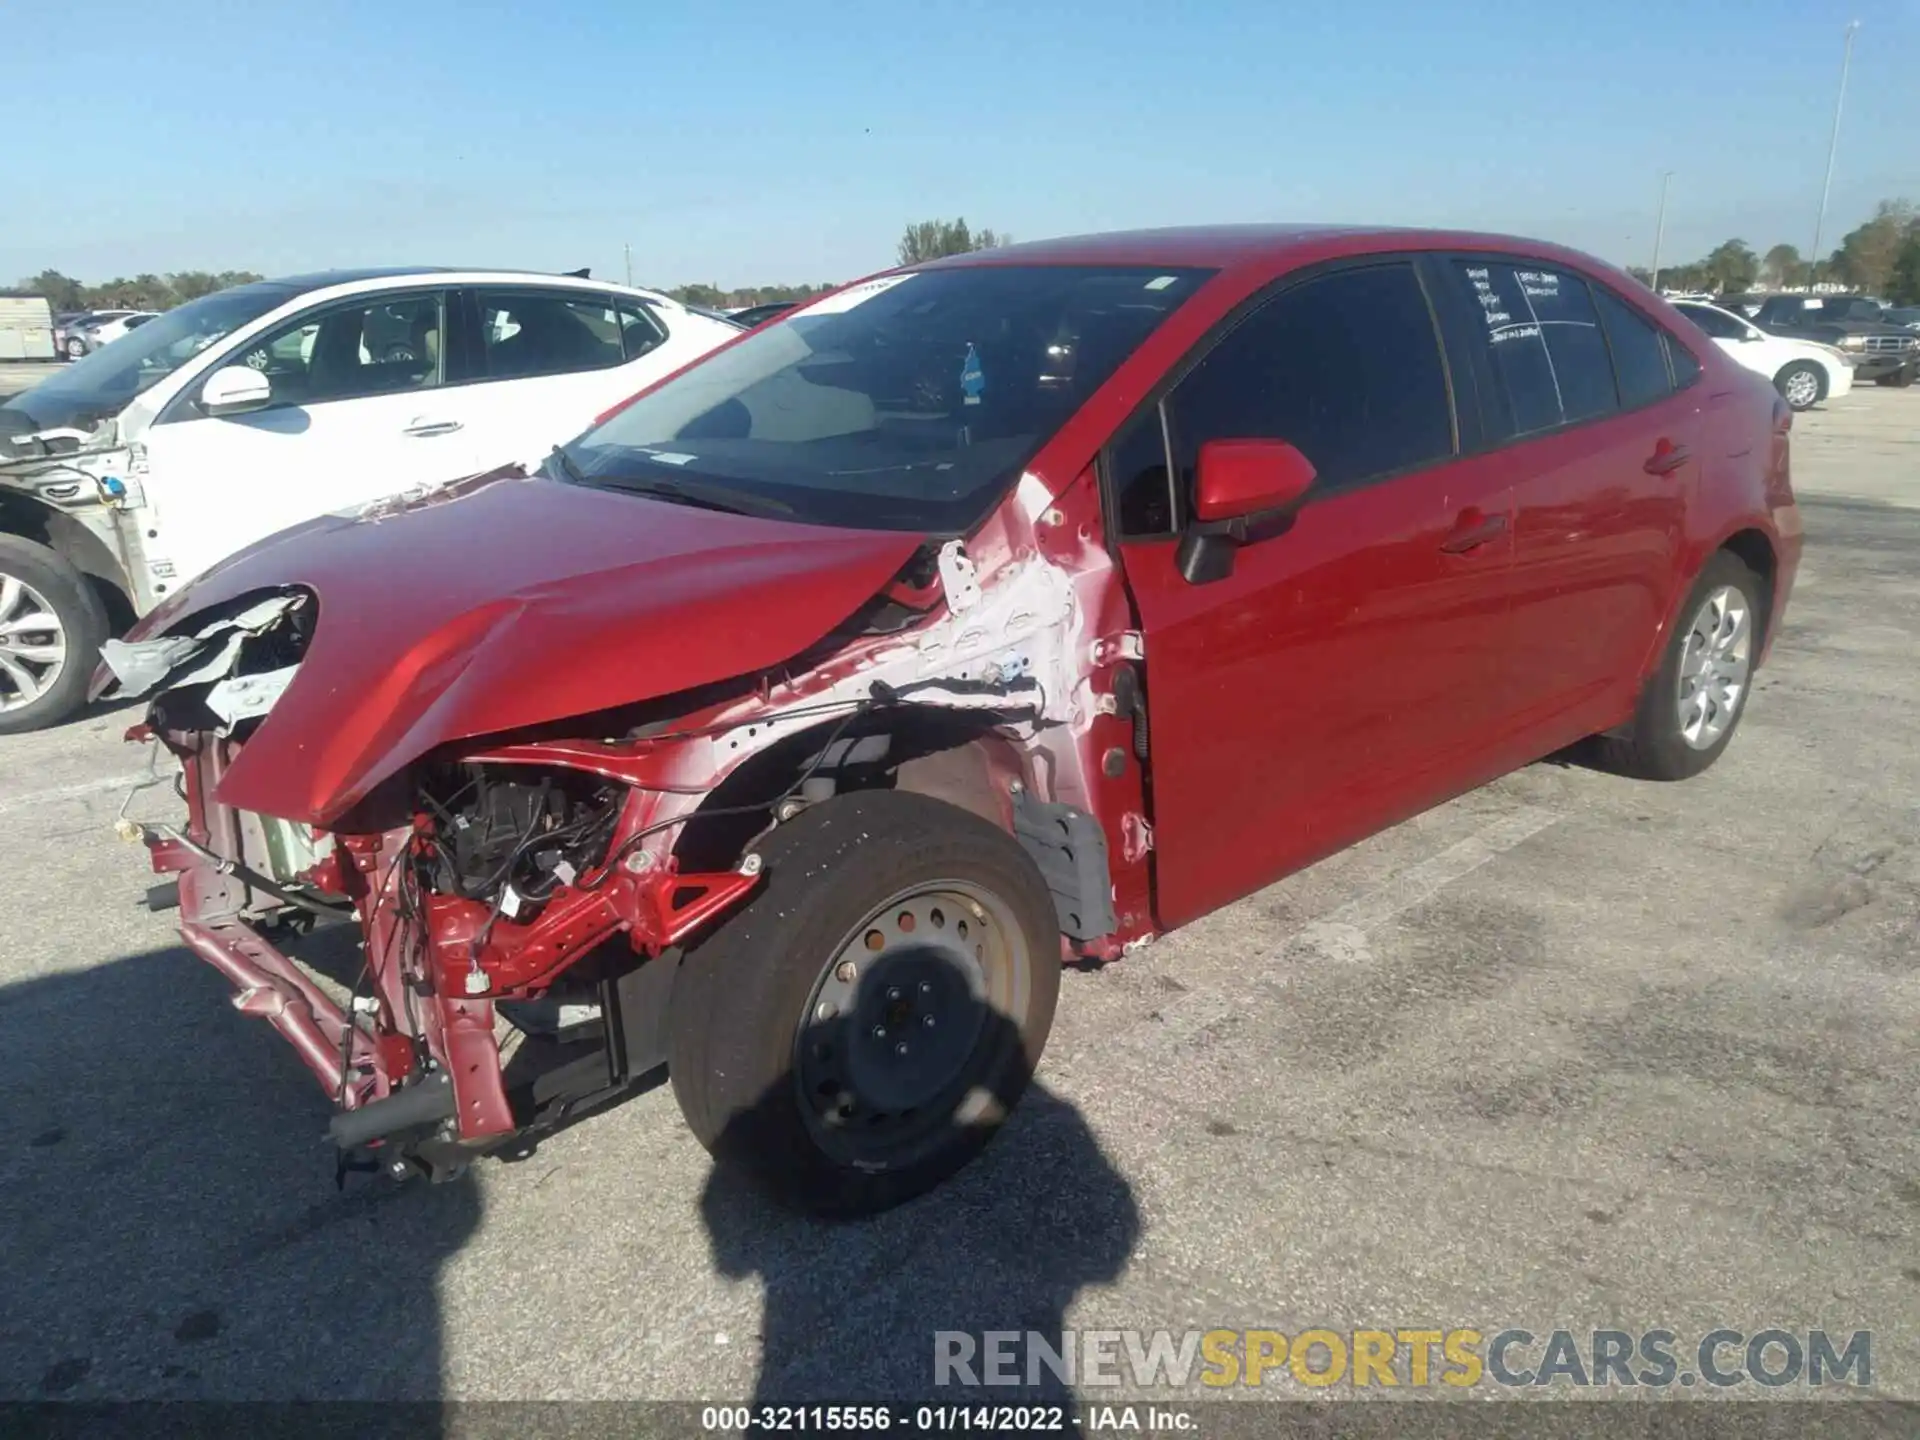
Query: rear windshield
pixel 910 402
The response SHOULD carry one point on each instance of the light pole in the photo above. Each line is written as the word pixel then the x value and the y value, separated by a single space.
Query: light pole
pixel 627 250
pixel 1660 229
pixel 1833 146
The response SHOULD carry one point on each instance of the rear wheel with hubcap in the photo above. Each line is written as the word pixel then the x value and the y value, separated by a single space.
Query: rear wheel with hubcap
pixel 859 1030
pixel 1802 384
pixel 1690 708
pixel 51 626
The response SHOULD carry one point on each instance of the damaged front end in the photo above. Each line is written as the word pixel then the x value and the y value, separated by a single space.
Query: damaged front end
pixel 462 1015
pixel 488 929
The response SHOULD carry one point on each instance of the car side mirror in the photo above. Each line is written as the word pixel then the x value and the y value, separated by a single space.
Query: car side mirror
pixel 1244 490
pixel 234 390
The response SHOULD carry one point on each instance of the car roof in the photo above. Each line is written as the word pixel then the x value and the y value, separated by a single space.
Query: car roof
pixel 454 274
pixel 1224 247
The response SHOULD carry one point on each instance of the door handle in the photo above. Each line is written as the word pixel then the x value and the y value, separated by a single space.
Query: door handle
pixel 1667 458
pixel 1470 533
pixel 432 427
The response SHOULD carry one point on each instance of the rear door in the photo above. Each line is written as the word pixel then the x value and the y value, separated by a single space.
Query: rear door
pixel 546 361
pixel 1601 480
pixel 1342 676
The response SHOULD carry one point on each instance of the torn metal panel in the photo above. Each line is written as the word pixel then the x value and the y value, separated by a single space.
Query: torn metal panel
pixel 245 697
pixel 210 653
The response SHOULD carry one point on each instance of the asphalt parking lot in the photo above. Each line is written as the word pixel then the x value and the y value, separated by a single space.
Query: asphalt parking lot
pixel 1569 1051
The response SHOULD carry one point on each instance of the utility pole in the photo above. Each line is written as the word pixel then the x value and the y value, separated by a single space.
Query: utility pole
pixel 1660 229
pixel 1833 146
pixel 627 250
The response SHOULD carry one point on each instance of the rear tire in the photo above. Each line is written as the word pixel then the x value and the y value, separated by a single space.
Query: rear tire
pixel 1801 384
pixel 1695 700
pixel 76 348
pixel 838 1063
pixel 44 668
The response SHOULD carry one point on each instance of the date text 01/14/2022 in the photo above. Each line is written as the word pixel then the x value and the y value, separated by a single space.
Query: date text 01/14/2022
pixel 921 1419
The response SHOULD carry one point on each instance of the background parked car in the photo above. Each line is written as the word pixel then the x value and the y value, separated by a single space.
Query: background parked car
pixel 1905 315
pixel 106 331
pixel 258 407
pixel 71 331
pixel 1804 372
pixel 1885 354
pixel 751 315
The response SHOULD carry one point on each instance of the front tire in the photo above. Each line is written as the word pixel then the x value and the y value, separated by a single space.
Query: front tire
pixel 1802 384
pixel 51 627
pixel 1693 704
pixel 76 348
pixel 860 1029
pixel 1899 379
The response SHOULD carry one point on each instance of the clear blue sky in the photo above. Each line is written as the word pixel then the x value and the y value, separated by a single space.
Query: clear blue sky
pixel 750 141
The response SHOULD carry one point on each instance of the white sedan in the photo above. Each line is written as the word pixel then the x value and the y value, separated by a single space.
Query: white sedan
pixel 250 410
pixel 1803 372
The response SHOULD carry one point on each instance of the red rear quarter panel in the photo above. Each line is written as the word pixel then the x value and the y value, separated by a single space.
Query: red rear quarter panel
pixel 1745 485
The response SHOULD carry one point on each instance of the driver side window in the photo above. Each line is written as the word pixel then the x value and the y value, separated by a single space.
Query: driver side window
pixel 371 345
pixel 1346 366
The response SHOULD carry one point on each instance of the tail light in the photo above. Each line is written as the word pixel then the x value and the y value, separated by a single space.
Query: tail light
pixel 1782 416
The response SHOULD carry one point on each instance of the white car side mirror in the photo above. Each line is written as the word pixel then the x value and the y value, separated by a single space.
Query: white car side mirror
pixel 234 390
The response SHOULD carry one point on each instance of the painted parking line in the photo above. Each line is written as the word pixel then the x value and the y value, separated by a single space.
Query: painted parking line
pixel 1339 937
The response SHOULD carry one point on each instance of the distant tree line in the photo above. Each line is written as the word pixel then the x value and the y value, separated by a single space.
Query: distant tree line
pixel 142 292
pixel 1881 257
pixel 932 239
pixel 926 240
pixel 716 297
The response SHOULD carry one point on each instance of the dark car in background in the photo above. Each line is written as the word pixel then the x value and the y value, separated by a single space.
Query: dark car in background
pixel 752 315
pixel 1884 353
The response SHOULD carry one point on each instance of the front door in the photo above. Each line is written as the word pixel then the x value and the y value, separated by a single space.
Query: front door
pixel 360 411
pixel 1342 676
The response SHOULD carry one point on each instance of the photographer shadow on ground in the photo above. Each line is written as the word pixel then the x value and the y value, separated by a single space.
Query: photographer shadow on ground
pixel 852 1308
pixel 174 1227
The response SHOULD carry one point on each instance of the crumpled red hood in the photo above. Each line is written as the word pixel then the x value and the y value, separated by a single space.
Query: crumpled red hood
pixel 516 602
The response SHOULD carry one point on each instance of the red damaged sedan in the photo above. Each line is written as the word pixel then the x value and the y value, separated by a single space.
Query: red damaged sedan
pixel 792 726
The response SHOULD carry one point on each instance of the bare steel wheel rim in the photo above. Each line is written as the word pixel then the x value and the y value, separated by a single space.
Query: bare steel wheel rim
pixel 1716 662
pixel 1802 388
pixel 902 1027
pixel 33 644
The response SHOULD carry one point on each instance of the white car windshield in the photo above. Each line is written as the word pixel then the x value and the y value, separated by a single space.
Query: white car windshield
pixel 101 385
pixel 909 402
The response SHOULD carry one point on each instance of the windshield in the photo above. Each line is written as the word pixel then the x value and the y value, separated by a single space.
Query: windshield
pixel 101 385
pixel 910 402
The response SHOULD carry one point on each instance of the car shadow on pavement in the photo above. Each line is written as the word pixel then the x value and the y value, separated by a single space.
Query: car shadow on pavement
pixel 174 1227
pixel 852 1309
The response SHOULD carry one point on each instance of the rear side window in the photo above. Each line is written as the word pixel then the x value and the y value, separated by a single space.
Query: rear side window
pixel 1686 369
pixel 1639 356
pixel 532 332
pixel 640 329
pixel 1543 345
pixel 1347 367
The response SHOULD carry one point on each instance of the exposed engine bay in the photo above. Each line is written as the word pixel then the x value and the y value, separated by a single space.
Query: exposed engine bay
pixel 520 900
